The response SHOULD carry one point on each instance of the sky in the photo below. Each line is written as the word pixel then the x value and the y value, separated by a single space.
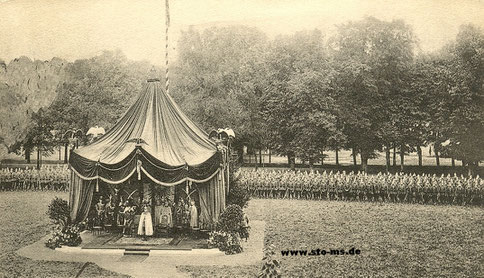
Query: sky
pixel 73 29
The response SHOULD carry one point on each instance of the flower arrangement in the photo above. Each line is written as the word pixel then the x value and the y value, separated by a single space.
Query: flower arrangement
pixel 230 228
pixel 68 235
pixel 226 242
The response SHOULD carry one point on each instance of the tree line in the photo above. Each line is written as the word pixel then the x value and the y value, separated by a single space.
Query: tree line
pixel 366 88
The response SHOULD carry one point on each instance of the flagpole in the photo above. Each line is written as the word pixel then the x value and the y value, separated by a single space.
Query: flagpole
pixel 167 24
pixel 167 76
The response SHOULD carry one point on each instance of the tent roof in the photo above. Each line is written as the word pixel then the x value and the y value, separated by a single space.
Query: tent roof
pixel 153 126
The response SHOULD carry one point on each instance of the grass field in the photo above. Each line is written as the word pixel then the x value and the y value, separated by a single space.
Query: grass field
pixel 23 222
pixel 396 240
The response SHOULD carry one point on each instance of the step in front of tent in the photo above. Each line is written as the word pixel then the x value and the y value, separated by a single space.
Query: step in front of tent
pixel 138 252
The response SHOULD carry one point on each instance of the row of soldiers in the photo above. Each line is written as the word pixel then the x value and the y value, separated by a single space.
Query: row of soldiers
pixel 49 177
pixel 404 188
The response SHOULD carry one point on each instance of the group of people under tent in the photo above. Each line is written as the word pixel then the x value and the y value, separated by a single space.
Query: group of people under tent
pixel 127 214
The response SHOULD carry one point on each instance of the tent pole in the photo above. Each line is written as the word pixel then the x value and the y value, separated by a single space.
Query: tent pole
pixel 187 190
pixel 228 168
pixel 97 174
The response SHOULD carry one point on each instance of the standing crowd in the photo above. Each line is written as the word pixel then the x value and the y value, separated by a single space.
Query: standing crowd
pixel 398 188
pixel 49 177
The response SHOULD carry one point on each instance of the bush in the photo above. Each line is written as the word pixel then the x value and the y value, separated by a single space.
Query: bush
pixel 230 220
pixel 229 230
pixel 270 266
pixel 67 235
pixel 225 242
pixel 238 194
pixel 58 212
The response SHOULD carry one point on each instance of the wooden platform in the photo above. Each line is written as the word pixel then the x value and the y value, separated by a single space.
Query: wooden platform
pixel 110 241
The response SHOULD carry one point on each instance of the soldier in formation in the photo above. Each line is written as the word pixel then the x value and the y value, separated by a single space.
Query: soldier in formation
pixel 359 186
pixel 49 177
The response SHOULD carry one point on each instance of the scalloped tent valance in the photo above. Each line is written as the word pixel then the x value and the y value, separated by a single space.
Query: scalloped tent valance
pixel 154 136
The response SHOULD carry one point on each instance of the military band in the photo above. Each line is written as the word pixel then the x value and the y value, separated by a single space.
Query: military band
pixel 395 188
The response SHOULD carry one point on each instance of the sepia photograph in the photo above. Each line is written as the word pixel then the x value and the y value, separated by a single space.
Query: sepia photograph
pixel 256 138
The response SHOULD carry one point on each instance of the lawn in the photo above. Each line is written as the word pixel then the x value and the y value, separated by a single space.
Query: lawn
pixel 23 222
pixel 396 240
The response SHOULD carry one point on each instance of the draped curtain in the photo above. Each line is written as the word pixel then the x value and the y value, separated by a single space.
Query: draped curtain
pixel 80 197
pixel 211 198
pixel 212 201
pixel 158 171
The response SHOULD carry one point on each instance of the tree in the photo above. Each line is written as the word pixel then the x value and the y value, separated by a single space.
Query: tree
pixel 429 82
pixel 218 80
pixel 97 91
pixel 298 105
pixel 39 135
pixel 464 125
pixel 372 59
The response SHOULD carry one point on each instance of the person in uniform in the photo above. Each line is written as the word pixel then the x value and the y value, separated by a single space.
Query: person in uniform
pixel 305 185
pixel 414 189
pixel 128 216
pixel 475 191
pixel 331 189
pixel 263 184
pixel 435 190
pixel 403 189
pixel 357 187
pixel 480 188
pixel 461 191
pixel 323 180
pixel 299 182
pixel 384 185
pixel 109 213
pixel 179 213
pixel 345 184
pixel 294 184
pixel 283 186
pixel 392 182
pixel 372 197
pixel 120 214
pixel 157 212
pixel 100 210
pixel 258 181
pixel 166 214
pixel 186 215
pixel 317 186
pixel 193 215
pixel 271 184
